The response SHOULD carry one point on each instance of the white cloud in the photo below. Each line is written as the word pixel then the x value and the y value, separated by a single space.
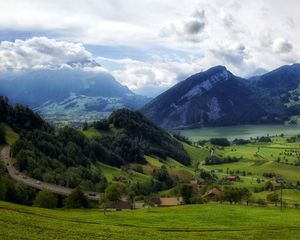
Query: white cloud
pixel 243 35
pixel 155 75
pixel 282 45
pixel 187 29
pixel 42 52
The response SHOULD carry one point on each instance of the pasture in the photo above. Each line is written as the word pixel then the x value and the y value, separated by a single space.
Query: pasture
pixel 209 221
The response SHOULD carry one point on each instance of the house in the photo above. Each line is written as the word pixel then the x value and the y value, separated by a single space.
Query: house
pixel 138 205
pixel 232 178
pixel 214 192
pixel 119 205
pixel 170 201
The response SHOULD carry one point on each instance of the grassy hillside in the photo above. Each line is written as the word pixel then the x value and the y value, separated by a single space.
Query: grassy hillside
pixel 278 156
pixel 185 222
pixel 197 154
pixel 112 173
pixel 10 135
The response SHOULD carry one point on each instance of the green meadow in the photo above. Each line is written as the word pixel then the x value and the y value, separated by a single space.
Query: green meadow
pixel 209 221
pixel 255 158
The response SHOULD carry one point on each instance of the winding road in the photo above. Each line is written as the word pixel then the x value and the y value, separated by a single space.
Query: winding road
pixel 34 183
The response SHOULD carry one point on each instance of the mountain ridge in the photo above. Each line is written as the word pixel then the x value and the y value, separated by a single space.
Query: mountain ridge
pixel 217 97
pixel 91 94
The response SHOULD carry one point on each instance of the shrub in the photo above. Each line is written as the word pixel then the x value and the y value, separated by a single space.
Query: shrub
pixel 186 193
pixel 102 125
pixel 241 141
pixel 220 142
pixel 261 202
pixel 264 139
pixel 219 160
pixel 77 200
pixel 273 198
pixel 45 199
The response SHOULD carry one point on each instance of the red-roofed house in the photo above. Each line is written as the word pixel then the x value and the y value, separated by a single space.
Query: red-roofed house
pixel 214 192
pixel 231 178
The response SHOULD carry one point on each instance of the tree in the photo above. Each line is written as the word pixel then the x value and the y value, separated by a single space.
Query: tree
pixel 207 176
pixel 162 175
pixel 114 192
pixel 45 199
pixel 77 200
pixel 102 125
pixel 232 195
pixel 224 142
pixel 2 134
pixel 264 139
pixel 273 198
pixel 186 193
pixel 246 195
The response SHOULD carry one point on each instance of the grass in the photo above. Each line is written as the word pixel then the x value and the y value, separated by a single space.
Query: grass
pixel 183 173
pixel 209 221
pixel 197 154
pixel 93 132
pixel 113 172
pixel 10 135
pixel 259 158
pixel 290 196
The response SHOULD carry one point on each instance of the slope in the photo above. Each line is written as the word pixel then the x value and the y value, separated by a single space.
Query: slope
pixel 213 97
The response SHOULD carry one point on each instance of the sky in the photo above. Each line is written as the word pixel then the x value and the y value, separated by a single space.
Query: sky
pixel 149 45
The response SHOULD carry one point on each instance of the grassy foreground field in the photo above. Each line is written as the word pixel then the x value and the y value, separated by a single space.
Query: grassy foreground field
pixel 185 222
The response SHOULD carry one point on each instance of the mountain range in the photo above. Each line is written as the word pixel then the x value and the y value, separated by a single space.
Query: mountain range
pixel 217 97
pixel 69 94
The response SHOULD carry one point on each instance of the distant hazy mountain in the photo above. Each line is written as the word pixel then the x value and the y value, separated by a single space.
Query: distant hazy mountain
pixel 67 94
pixel 217 97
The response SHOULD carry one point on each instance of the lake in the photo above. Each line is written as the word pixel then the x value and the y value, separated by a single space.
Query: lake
pixel 241 131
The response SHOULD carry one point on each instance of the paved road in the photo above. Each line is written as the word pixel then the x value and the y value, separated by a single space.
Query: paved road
pixel 20 177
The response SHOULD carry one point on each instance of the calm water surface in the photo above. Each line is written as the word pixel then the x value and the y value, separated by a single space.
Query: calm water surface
pixel 242 131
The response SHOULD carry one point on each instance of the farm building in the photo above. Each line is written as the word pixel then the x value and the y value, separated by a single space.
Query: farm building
pixel 214 192
pixel 170 201
pixel 232 178
pixel 119 205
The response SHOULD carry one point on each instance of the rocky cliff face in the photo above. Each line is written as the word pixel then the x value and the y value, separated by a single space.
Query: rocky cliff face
pixel 214 97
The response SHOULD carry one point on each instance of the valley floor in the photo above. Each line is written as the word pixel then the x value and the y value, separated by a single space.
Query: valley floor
pixel 209 221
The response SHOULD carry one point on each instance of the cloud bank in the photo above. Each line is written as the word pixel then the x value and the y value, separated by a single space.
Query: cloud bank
pixel 42 52
pixel 243 35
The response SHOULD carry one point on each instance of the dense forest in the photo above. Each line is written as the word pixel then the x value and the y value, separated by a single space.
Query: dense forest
pixel 140 136
pixel 21 118
pixel 67 157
